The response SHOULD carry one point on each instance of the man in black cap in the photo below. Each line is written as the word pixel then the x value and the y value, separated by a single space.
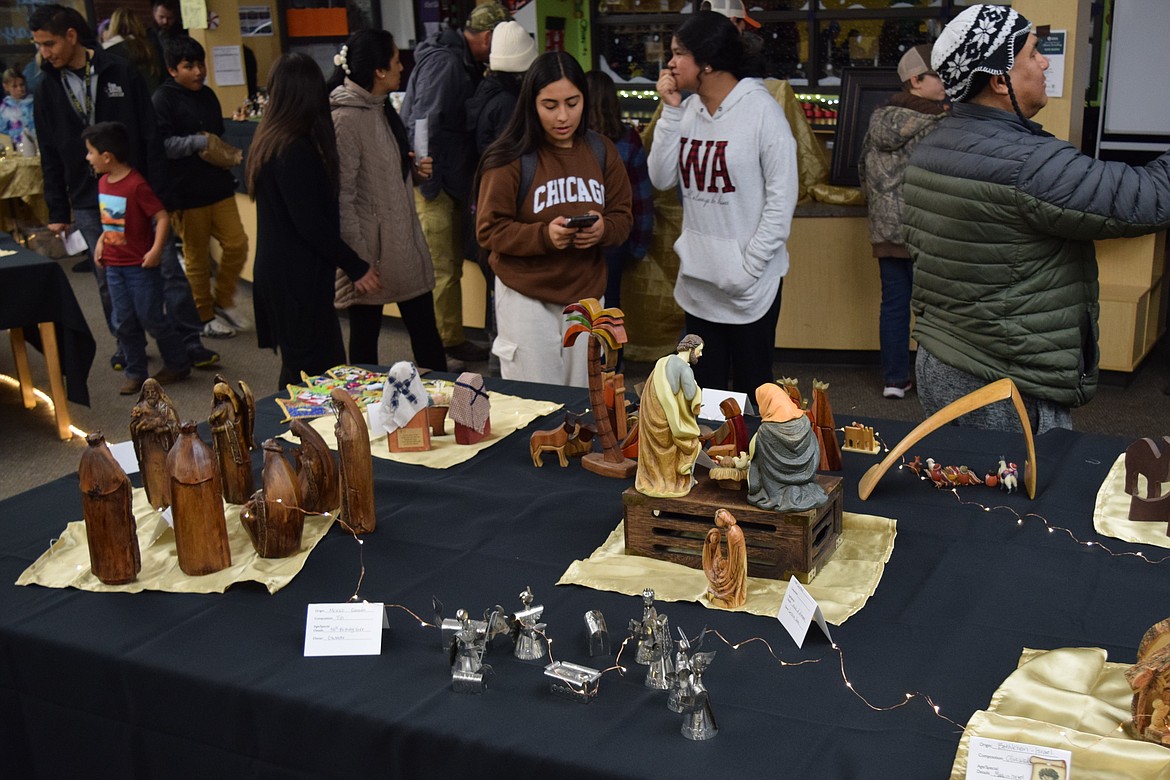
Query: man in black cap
pixel 1000 219
pixel 448 67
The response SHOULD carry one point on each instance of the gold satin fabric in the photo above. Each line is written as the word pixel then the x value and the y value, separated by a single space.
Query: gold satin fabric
pixel 66 563
pixel 1111 512
pixel 841 588
pixel 21 180
pixel 509 414
pixel 1073 699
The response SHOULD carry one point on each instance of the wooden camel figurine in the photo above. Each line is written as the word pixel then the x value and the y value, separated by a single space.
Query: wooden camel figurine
pixel 570 440
pixel 1151 459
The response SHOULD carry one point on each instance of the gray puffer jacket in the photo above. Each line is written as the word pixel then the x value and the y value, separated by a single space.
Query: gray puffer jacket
pixel 1000 218
pixel 378 218
pixel 894 130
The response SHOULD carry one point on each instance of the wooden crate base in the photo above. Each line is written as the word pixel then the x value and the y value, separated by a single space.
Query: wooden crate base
pixel 778 545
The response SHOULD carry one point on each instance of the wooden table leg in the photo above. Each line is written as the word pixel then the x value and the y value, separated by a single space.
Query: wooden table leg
pixel 56 381
pixel 23 375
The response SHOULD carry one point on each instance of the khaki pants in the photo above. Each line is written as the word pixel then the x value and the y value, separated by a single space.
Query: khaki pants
pixel 196 227
pixel 442 226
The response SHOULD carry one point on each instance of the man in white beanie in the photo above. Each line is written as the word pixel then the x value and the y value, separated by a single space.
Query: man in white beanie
pixel 1000 220
pixel 490 108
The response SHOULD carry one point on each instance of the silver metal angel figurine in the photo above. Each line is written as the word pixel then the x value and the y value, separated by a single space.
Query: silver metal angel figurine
pixel 530 641
pixel 680 681
pixel 698 719
pixel 469 674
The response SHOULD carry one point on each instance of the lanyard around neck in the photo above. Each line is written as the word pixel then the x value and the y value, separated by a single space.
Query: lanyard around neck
pixel 86 111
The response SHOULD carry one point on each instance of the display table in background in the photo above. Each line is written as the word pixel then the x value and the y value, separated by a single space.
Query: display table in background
pixel 37 302
pixel 186 685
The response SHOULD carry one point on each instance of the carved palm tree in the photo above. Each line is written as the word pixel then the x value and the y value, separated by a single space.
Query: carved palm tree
pixel 604 328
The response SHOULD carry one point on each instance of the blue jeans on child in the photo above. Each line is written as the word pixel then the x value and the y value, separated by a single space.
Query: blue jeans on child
pixel 894 321
pixel 137 295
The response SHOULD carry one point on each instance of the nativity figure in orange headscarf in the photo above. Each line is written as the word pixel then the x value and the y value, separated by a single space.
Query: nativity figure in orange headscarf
pixel 784 456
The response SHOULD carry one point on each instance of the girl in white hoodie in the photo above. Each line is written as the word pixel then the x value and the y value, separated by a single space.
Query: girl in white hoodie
pixel 730 151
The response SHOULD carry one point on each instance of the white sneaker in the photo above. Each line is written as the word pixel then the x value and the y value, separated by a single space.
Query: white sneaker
pixel 897 392
pixel 218 328
pixel 234 316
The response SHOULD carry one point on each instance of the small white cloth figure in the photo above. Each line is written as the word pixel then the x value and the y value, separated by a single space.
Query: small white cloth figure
pixel 403 396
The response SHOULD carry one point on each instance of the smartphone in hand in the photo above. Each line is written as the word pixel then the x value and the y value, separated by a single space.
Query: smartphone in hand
pixel 582 221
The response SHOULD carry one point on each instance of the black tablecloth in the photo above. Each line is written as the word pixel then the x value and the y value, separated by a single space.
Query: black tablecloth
pixel 165 685
pixel 33 289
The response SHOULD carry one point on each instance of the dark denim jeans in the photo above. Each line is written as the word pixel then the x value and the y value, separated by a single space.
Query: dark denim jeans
pixel 894 322
pixel 177 298
pixel 89 222
pixel 137 295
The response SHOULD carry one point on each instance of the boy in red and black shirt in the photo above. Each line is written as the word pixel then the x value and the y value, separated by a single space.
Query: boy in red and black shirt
pixel 130 249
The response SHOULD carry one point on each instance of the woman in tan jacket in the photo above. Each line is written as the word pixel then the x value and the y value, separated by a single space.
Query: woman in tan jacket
pixel 378 218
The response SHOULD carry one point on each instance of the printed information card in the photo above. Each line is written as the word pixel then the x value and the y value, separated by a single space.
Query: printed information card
pixel 997 758
pixel 344 629
pixel 798 611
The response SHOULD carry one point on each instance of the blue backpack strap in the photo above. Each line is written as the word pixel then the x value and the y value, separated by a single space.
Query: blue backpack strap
pixel 528 165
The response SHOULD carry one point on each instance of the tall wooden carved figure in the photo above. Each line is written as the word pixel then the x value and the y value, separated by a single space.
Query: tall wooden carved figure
pixel 229 439
pixel 821 415
pixel 357 465
pixel 245 408
pixel 201 538
pixel 273 517
pixel 316 471
pixel 154 426
pixel 725 565
pixel 109 521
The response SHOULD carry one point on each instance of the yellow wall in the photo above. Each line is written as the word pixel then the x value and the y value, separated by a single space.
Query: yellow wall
pixel 227 34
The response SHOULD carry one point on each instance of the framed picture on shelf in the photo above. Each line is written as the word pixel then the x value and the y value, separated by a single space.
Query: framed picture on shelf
pixel 863 90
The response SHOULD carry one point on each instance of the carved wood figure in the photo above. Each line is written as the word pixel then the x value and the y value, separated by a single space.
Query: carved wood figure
pixel 1150 680
pixel 246 409
pixel 403 411
pixel 273 516
pixel 860 438
pixel 603 328
pixel 821 415
pixel 1149 458
pixel 668 426
pixel 732 437
pixel 317 473
pixel 154 426
pixel 554 440
pixel 725 562
pixel 229 441
pixel 470 409
pixel 614 388
pixel 792 387
pixel 784 456
pixel 110 529
pixel 357 465
pixel 201 538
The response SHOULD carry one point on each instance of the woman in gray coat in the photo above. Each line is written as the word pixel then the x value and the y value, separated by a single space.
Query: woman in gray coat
pixel 378 218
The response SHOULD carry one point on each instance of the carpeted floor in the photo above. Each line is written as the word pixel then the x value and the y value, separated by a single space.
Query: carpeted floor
pixel 32 453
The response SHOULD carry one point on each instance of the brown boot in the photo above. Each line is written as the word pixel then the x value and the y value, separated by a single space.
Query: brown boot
pixel 131 386
pixel 169 376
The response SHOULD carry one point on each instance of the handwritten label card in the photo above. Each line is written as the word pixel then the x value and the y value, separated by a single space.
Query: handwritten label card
pixel 344 629
pixel 997 758
pixel 798 611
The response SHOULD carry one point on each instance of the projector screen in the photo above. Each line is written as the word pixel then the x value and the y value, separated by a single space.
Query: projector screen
pixel 1139 69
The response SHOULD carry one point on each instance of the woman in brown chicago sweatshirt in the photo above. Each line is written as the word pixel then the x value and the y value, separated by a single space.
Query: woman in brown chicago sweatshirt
pixel 541 262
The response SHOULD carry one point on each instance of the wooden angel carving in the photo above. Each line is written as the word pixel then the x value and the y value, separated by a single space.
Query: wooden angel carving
pixel 317 472
pixel 154 426
pixel 273 516
pixel 246 409
pixel 725 562
pixel 229 421
pixel 110 529
pixel 357 465
pixel 201 538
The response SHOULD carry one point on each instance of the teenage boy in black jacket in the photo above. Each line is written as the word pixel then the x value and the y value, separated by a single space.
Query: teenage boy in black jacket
pixel 203 199
pixel 83 85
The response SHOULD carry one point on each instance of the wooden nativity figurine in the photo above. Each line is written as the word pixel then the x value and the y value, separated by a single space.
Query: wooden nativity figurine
pixel 154 426
pixel 668 425
pixel 229 439
pixel 569 440
pixel 821 416
pixel 357 464
pixel 201 539
pixel 731 438
pixel 246 409
pixel 470 409
pixel 725 562
pixel 1148 458
pixel 784 456
pixel 403 411
pixel 273 517
pixel 110 530
pixel 317 473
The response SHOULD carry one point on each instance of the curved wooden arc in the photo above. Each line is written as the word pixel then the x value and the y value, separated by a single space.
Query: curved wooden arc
pixel 999 390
